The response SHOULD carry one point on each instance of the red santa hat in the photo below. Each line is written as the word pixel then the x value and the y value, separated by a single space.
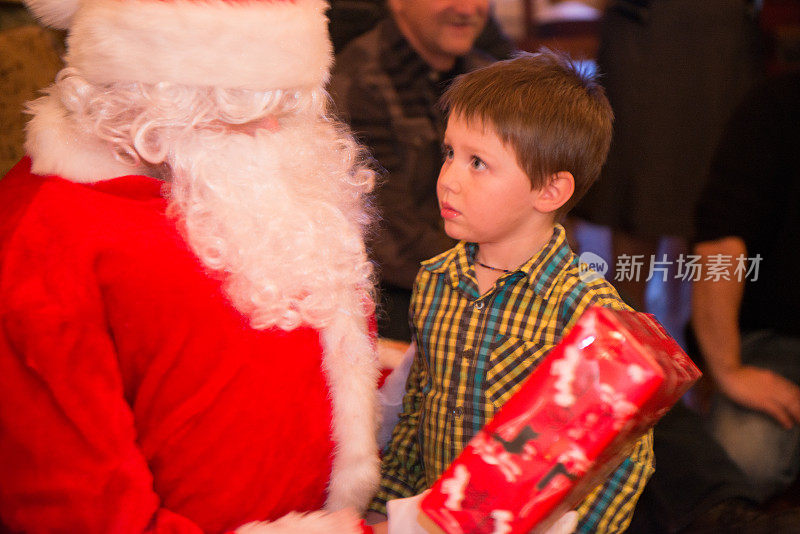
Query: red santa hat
pixel 250 44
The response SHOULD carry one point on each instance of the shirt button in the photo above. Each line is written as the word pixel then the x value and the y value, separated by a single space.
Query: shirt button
pixel 458 412
pixel 479 305
pixel 467 354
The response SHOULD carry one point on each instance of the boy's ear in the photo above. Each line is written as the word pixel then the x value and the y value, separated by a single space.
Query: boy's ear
pixel 555 193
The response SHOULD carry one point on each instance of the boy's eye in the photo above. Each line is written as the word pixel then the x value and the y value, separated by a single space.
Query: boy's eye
pixel 447 152
pixel 477 163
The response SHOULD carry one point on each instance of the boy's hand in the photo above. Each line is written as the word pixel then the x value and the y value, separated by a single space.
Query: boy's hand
pixel 380 528
pixel 403 515
pixel 565 525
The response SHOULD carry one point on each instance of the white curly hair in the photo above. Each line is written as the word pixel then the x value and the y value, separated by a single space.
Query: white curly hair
pixel 269 189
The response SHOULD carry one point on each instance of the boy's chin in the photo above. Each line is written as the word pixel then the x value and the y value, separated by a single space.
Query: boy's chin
pixel 455 233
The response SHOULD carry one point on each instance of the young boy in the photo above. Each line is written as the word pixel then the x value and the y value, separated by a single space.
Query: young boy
pixel 525 139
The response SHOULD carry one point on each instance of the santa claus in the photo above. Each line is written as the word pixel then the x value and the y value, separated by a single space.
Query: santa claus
pixel 184 290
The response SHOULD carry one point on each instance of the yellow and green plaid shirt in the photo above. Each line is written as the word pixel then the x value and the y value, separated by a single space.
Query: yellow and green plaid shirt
pixel 473 353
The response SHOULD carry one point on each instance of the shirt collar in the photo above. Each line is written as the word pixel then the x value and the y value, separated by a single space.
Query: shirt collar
pixel 456 265
pixel 541 270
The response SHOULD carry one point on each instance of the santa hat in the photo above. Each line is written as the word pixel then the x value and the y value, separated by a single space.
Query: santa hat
pixel 251 44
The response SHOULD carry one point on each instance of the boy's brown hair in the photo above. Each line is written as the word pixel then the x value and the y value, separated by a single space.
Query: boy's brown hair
pixel 553 114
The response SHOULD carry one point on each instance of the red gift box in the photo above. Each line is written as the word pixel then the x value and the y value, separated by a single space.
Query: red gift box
pixel 573 421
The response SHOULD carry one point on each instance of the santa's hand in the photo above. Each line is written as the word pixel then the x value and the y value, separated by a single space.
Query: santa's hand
pixel 403 515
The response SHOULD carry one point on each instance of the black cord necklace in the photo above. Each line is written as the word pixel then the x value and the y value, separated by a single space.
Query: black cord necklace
pixel 498 269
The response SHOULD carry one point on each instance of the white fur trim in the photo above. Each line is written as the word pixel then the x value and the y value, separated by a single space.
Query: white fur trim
pixel 343 522
pixel 351 365
pixel 56 147
pixel 265 44
pixel 55 13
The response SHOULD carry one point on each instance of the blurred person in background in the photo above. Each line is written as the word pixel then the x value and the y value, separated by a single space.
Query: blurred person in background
pixel 386 84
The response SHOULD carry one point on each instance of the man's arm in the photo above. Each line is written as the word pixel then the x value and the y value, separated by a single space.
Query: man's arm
pixel 715 318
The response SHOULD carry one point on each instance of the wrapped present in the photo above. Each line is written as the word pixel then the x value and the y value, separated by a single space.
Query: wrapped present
pixel 572 422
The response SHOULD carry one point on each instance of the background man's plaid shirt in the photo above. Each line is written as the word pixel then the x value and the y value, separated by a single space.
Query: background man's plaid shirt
pixel 474 351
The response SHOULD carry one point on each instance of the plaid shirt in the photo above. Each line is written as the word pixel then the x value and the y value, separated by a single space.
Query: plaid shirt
pixel 473 353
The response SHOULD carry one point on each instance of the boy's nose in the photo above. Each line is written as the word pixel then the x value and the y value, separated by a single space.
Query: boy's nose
pixel 448 179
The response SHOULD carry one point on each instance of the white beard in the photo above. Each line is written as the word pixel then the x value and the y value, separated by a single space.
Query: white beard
pixel 280 215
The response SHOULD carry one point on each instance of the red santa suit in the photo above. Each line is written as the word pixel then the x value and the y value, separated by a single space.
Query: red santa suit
pixel 134 396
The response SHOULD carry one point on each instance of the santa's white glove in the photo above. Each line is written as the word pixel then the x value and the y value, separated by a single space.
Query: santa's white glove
pixel 565 525
pixel 391 396
pixel 403 515
pixel 342 522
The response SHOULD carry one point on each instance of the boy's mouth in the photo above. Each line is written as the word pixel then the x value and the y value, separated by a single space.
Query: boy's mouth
pixel 448 212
